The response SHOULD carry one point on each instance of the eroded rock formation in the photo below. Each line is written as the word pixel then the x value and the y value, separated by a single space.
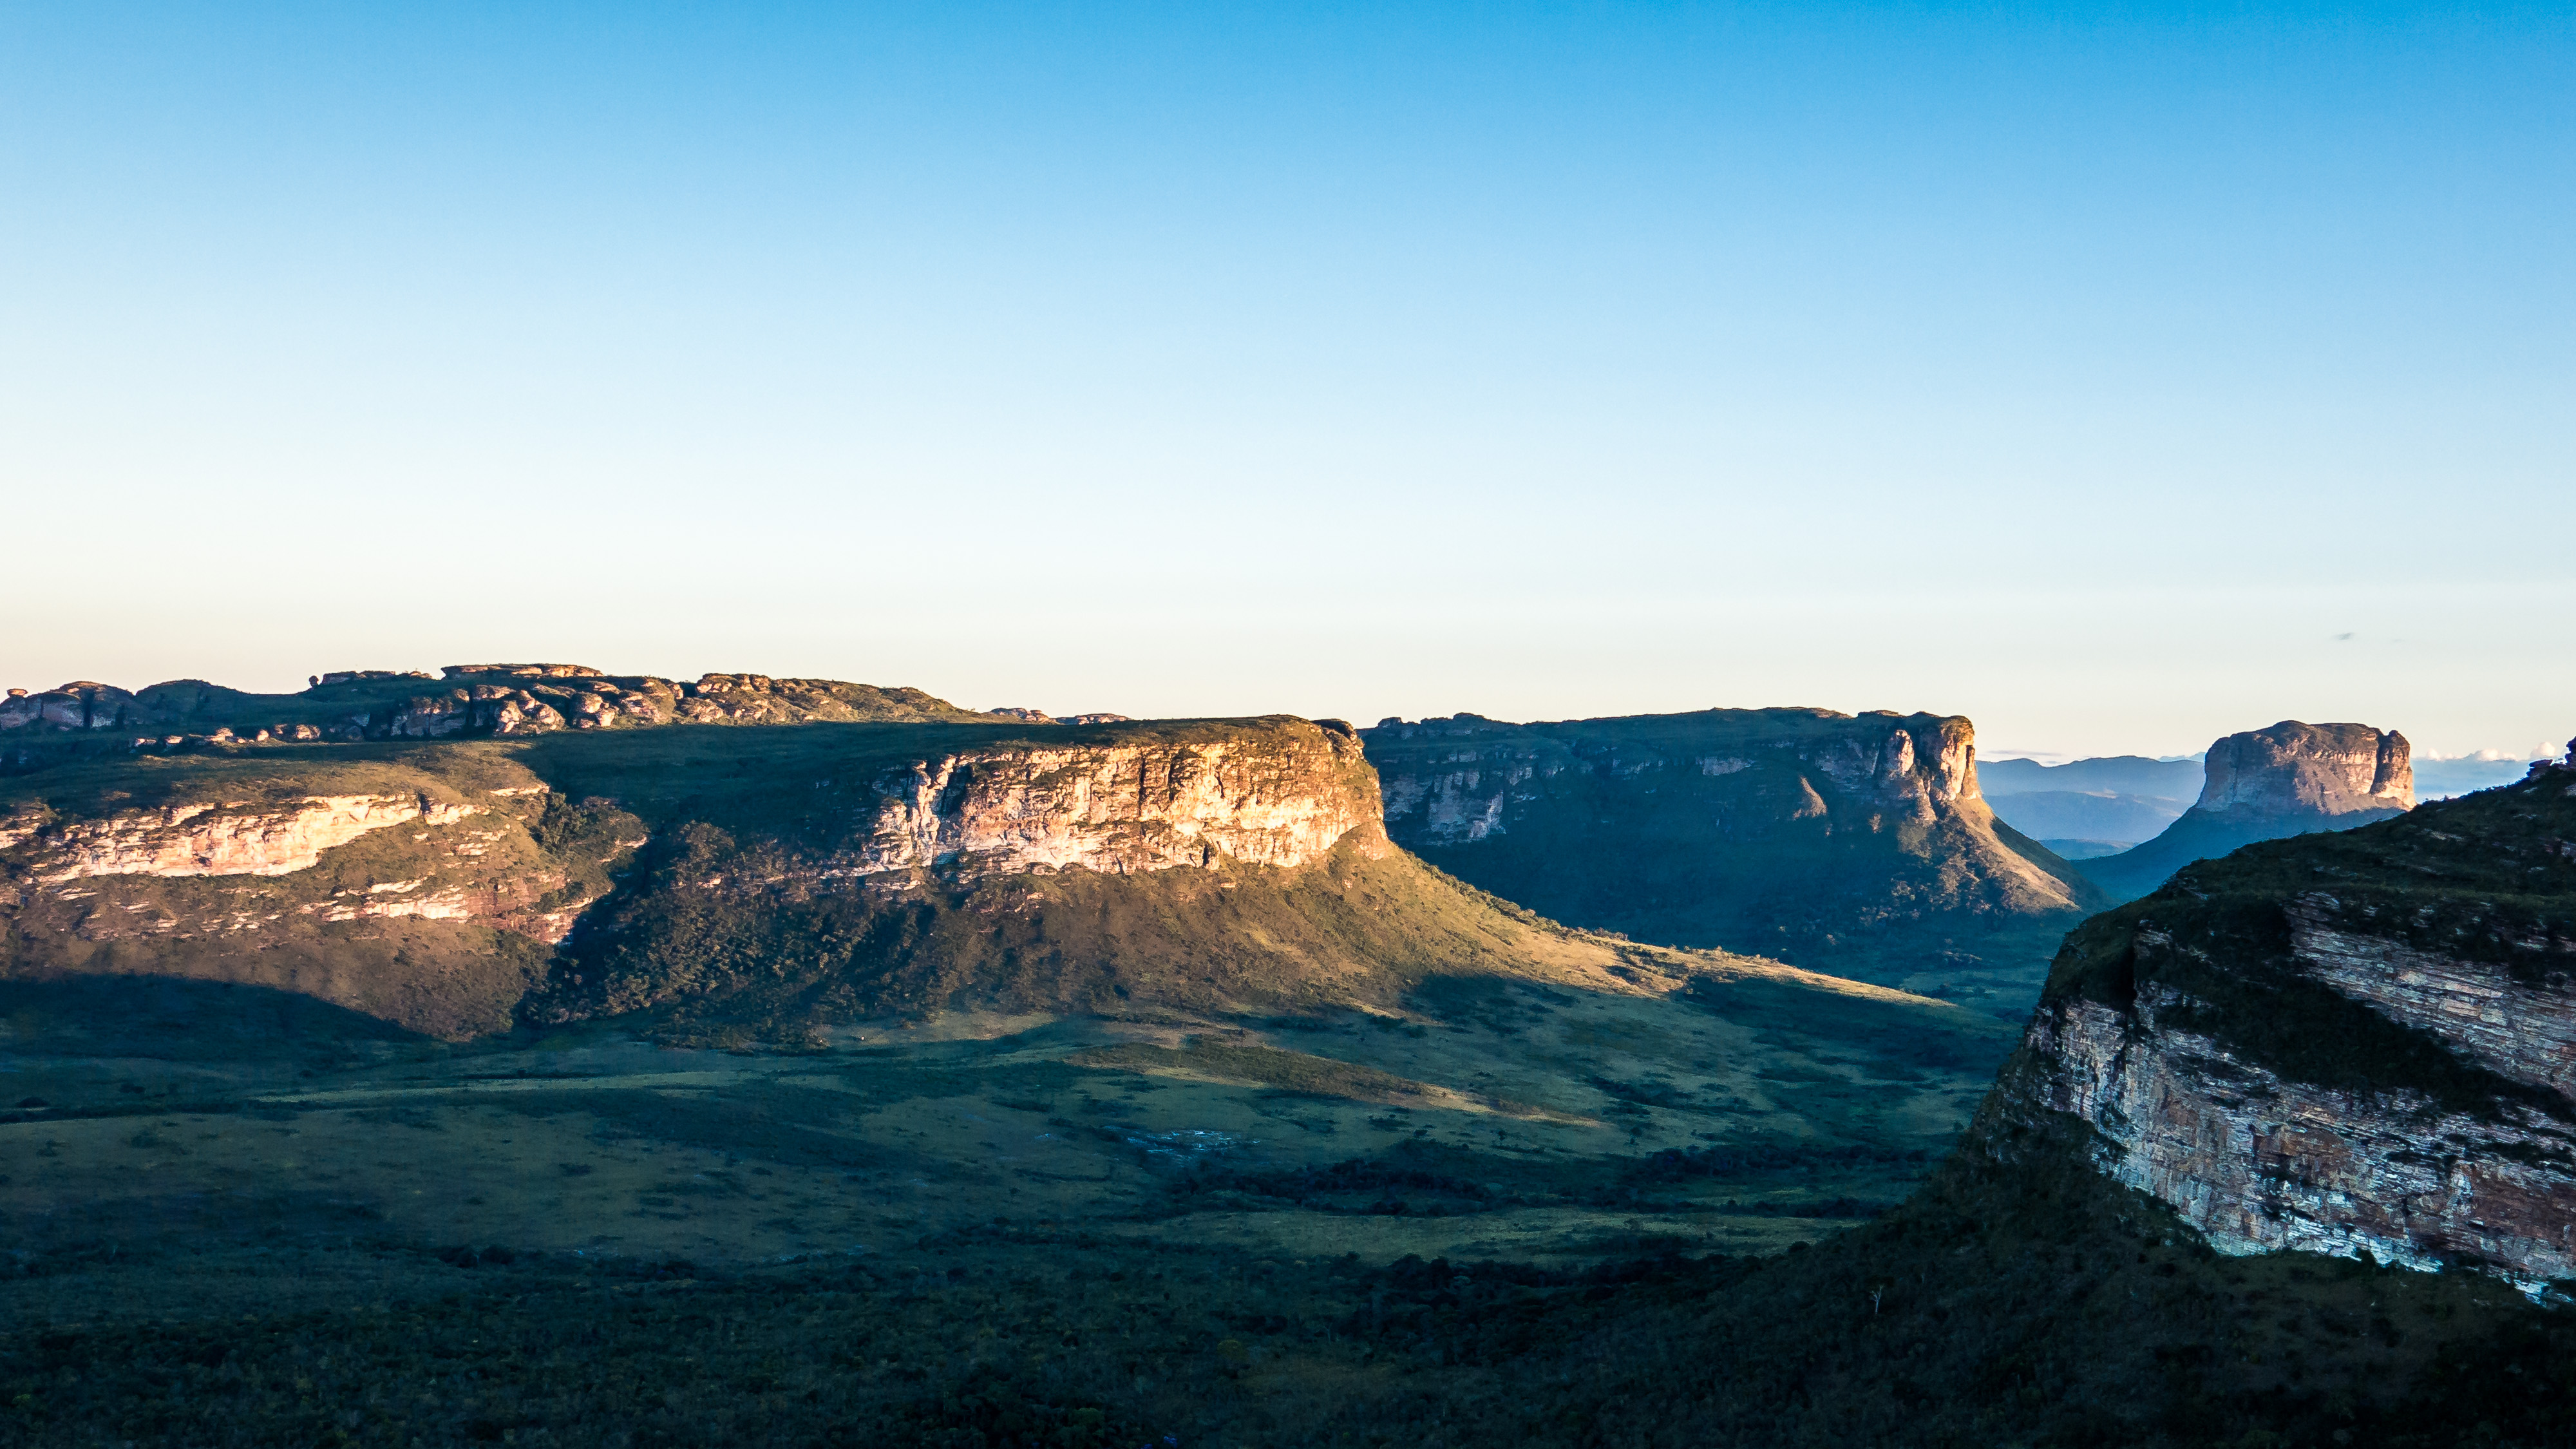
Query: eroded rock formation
pixel 2351 1043
pixel 469 699
pixel 439 895
pixel 1284 803
pixel 2335 769
pixel 2289 779
pixel 1820 837
pixel 232 838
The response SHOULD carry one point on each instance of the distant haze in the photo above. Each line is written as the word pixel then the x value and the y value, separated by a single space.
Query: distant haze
pixel 2118 379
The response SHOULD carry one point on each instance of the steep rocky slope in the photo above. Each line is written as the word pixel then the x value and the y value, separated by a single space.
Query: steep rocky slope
pixel 1858 845
pixel 2355 1043
pixel 761 879
pixel 2290 779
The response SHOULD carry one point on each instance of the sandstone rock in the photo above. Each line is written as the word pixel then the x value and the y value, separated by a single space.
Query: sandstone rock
pixel 2289 779
pixel 1119 809
pixel 2337 769
pixel 211 839
pixel 433 716
pixel 522 671
pixel 2348 1043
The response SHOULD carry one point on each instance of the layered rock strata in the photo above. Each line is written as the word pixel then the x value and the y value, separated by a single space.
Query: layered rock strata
pixel 1123 808
pixel 228 839
pixel 2352 1043
pixel 442 905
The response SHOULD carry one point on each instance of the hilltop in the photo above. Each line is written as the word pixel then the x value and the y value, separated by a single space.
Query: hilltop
pixel 2289 779
pixel 465 700
pixel 1853 844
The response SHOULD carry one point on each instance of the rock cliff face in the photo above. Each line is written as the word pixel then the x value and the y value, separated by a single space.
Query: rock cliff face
pixel 1124 808
pixel 1856 844
pixel 2353 1043
pixel 211 839
pixel 454 886
pixel 2337 769
pixel 2290 779
pixel 425 892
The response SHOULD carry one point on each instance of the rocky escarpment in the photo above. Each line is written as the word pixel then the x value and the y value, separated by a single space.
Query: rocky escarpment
pixel 1122 808
pixel 760 879
pixel 2353 1043
pixel 1857 843
pixel 467 700
pixel 2289 779
pixel 426 892
pixel 211 839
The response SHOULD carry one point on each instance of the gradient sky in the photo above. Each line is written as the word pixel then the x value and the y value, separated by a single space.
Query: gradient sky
pixel 2118 376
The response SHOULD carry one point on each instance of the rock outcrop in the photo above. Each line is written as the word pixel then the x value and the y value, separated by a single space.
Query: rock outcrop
pixel 230 839
pixel 762 877
pixel 2354 1043
pixel 1124 808
pixel 2290 779
pixel 1854 843
pixel 429 895
pixel 467 700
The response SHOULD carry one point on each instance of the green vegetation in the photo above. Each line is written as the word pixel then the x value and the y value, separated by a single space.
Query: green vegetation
pixel 2034 1305
pixel 2206 835
pixel 2219 933
pixel 1772 832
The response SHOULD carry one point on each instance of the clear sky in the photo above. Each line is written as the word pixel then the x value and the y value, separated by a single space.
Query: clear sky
pixel 2118 376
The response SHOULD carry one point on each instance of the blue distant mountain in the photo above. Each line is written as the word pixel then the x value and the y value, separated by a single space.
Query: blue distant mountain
pixel 2088 808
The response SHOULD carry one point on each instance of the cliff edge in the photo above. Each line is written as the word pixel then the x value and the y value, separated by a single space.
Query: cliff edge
pixel 2290 779
pixel 2360 1043
pixel 764 880
pixel 1855 844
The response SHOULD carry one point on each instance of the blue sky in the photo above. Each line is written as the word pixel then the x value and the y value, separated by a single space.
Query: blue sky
pixel 2120 377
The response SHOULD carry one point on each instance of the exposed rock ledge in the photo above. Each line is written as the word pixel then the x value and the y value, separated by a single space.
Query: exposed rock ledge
pixel 2357 1042
pixel 1284 802
pixel 183 840
pixel 2259 1162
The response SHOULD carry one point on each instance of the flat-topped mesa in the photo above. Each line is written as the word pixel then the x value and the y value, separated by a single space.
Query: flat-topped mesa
pixel 2352 1043
pixel 469 700
pixel 1795 832
pixel 521 671
pixel 2290 779
pixel 2334 769
pixel 854 853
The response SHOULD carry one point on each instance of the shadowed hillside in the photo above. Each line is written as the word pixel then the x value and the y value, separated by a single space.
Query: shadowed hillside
pixel 1857 845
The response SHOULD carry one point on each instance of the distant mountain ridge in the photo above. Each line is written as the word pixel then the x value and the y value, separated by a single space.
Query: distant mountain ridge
pixel 468 699
pixel 2087 808
pixel 2291 778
